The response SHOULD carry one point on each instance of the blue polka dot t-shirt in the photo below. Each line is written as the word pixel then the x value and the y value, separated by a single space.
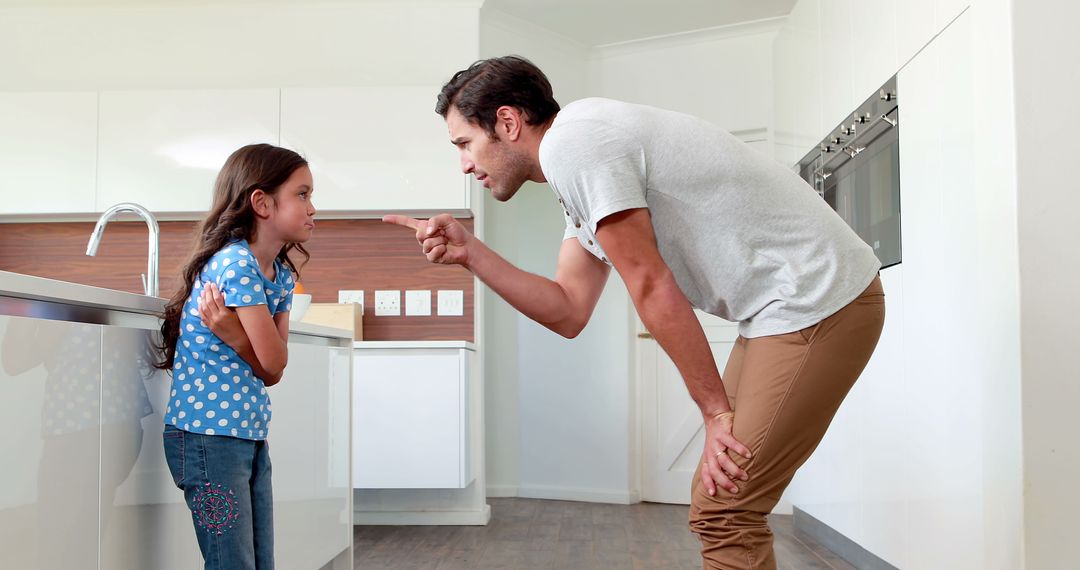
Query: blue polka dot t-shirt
pixel 214 391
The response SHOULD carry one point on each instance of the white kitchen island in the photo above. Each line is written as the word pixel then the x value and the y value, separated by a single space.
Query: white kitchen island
pixel 85 484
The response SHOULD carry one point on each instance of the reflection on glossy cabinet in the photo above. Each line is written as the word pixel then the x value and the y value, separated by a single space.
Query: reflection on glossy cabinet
pixel 374 148
pixel 50 385
pixel 47 152
pixel 144 521
pixel 163 149
pixel 411 427
pixel 309 450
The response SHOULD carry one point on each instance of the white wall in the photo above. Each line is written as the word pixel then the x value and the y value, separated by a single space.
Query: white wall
pixel 723 75
pixel 921 464
pixel 560 413
pixel 1047 56
pixel 557 409
pixel 175 45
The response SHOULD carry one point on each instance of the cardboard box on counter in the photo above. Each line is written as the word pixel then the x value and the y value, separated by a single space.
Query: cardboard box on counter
pixel 349 316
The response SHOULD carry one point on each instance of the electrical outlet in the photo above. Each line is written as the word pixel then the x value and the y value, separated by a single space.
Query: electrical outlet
pixel 418 303
pixel 351 296
pixel 387 303
pixel 451 303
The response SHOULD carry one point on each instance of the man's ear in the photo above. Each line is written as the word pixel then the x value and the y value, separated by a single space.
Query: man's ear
pixel 261 203
pixel 509 122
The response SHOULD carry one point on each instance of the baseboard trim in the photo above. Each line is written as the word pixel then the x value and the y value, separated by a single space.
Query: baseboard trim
pixel 842 546
pixel 424 518
pixel 610 496
pixel 500 491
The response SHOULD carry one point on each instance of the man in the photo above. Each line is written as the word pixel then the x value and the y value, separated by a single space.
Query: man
pixel 689 217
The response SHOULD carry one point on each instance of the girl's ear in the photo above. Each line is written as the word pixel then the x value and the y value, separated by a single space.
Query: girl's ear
pixel 261 203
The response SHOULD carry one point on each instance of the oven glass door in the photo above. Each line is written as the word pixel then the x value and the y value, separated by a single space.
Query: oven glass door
pixel 865 191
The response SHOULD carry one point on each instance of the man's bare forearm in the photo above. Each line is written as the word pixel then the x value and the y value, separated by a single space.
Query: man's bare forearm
pixel 539 298
pixel 670 318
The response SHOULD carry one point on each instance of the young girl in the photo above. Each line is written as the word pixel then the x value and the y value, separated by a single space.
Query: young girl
pixel 224 338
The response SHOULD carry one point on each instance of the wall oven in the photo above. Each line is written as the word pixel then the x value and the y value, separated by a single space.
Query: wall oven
pixel 857 171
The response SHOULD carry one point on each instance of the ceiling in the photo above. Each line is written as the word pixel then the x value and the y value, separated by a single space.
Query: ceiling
pixel 601 22
pixel 590 22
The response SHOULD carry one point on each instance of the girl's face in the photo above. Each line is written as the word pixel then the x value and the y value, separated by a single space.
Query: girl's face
pixel 292 214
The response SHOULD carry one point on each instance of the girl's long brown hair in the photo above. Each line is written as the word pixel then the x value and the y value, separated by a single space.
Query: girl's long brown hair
pixel 231 217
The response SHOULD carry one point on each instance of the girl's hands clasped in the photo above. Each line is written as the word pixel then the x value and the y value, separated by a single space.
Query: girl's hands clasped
pixel 221 320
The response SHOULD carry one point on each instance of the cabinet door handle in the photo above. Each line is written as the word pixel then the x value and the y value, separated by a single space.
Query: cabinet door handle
pixel 644 335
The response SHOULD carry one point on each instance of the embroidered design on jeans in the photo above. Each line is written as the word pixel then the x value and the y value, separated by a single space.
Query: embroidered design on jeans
pixel 215 508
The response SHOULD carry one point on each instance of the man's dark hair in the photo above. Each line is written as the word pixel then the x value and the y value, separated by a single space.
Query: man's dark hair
pixel 477 92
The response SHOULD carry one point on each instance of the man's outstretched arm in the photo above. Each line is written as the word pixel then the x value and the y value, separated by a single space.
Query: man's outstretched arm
pixel 563 305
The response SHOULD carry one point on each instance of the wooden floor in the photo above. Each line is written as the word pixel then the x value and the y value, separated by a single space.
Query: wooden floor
pixel 528 534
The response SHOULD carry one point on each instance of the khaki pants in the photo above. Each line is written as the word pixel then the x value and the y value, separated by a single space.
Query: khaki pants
pixel 785 390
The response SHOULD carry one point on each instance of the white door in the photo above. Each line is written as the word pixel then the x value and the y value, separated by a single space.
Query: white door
pixel 672 429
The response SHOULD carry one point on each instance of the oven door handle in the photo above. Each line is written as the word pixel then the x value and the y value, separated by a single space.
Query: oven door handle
pixel 851 149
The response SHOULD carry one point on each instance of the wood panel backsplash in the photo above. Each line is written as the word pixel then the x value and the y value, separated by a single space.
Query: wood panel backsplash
pixel 345 254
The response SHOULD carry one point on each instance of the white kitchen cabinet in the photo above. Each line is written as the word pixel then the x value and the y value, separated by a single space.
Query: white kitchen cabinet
pixel 873 33
pixel 945 11
pixel 308 447
pixel 915 27
pixel 835 62
pixel 50 394
pixel 784 83
pixel 136 491
pixel 798 83
pixel 163 149
pixel 411 418
pixel 374 148
pixel 48 145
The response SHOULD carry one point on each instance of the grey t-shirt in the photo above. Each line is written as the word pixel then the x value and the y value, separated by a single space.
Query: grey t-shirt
pixel 747 239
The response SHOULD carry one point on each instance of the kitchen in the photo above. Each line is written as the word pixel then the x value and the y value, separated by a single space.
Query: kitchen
pixel 951 456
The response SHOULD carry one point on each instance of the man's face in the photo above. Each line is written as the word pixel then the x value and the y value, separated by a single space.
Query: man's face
pixel 492 159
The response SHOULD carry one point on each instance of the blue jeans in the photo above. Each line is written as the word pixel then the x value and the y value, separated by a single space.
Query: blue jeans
pixel 226 484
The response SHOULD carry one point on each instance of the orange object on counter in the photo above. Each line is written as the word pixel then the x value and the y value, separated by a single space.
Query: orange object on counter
pixel 299 289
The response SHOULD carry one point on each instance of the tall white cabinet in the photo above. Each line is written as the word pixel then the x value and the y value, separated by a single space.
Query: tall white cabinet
pixel 922 394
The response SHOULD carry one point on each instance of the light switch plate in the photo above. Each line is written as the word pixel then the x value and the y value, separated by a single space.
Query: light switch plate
pixel 351 296
pixel 451 303
pixel 387 303
pixel 418 303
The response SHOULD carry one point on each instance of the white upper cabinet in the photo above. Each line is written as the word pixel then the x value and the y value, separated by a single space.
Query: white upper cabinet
pixel 163 149
pixel 47 152
pixel 374 148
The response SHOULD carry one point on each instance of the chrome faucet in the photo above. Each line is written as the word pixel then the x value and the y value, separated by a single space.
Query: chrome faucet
pixel 150 278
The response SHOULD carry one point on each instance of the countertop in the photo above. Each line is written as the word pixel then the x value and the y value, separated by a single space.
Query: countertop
pixel 33 288
pixel 373 344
